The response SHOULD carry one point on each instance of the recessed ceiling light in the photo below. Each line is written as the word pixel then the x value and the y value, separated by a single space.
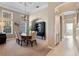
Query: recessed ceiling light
pixel 37 6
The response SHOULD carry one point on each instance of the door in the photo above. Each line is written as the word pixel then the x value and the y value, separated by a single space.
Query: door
pixel 57 29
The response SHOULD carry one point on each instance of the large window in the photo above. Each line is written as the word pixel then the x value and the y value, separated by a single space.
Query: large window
pixel 6 23
pixel 23 28
pixel 69 27
pixel 7 28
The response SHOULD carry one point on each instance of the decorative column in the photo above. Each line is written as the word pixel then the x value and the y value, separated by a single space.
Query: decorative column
pixel 51 24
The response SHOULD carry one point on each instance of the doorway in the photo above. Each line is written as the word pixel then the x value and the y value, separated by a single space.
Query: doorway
pixel 69 25
pixel 39 25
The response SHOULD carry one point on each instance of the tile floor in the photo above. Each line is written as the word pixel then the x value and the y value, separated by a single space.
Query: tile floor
pixel 68 47
pixel 11 48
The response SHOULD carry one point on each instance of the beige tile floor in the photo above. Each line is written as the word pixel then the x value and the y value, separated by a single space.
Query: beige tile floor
pixel 68 47
pixel 57 51
pixel 11 48
pixel 71 48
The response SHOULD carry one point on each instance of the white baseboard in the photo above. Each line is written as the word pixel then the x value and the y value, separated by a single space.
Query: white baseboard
pixel 50 47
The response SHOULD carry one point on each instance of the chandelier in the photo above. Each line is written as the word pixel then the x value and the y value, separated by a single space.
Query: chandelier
pixel 26 19
pixel 25 15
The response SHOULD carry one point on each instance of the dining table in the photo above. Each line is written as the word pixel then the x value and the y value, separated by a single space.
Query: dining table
pixel 27 38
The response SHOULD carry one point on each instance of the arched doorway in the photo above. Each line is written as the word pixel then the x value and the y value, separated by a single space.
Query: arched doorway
pixel 39 25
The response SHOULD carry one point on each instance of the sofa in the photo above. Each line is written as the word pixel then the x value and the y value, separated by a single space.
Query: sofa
pixel 2 38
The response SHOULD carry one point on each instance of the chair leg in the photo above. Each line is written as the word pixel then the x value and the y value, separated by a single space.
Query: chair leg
pixel 35 42
pixel 21 42
pixel 18 41
pixel 27 42
pixel 31 43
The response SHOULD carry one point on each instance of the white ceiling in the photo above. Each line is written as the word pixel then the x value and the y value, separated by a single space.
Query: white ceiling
pixel 20 7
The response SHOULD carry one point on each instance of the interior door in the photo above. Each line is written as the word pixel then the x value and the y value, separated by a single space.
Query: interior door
pixel 57 29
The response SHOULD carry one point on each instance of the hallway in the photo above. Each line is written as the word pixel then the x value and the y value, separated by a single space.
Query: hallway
pixel 70 46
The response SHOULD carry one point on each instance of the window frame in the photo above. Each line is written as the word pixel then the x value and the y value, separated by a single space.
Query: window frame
pixel 7 19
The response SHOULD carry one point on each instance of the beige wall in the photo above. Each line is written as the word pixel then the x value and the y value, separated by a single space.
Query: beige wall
pixel 57 29
pixel 48 15
pixel 67 7
pixel 40 14
pixel 16 18
pixel 51 23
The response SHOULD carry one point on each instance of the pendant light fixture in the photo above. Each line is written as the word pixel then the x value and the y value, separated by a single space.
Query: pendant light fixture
pixel 25 16
pixel 26 19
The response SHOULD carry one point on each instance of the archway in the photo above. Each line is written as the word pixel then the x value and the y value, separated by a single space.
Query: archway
pixel 39 25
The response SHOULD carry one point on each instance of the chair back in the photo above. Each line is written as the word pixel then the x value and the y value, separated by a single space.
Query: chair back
pixel 18 36
pixel 33 35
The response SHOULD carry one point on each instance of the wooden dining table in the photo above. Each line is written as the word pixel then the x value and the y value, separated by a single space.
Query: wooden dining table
pixel 27 39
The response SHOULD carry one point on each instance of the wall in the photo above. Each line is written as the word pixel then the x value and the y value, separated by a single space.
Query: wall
pixel 48 15
pixel 68 7
pixel 51 23
pixel 42 15
pixel 57 29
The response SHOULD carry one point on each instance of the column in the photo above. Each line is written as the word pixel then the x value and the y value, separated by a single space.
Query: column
pixel 51 24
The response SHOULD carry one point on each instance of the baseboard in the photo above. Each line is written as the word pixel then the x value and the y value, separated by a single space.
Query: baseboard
pixel 50 47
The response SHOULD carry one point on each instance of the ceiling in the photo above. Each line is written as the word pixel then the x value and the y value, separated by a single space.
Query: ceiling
pixel 31 7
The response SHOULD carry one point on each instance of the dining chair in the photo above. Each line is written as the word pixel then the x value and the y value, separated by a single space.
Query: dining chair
pixel 33 40
pixel 19 40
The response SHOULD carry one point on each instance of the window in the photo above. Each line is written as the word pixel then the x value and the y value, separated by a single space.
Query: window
pixel 7 14
pixel 69 28
pixel 23 27
pixel 7 28
pixel 6 23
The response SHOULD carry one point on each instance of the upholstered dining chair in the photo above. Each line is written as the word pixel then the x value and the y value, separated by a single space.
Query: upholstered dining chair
pixel 19 40
pixel 33 40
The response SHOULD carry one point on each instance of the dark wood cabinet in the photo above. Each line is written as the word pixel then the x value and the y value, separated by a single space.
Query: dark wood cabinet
pixel 40 28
